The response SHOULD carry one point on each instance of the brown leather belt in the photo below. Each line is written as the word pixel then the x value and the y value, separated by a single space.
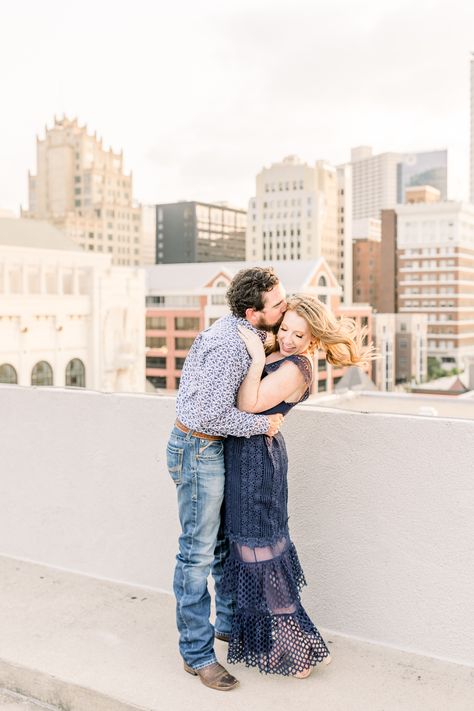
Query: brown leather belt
pixel 200 435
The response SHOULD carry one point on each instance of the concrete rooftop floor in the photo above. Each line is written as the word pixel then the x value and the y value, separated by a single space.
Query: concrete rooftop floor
pixel 83 644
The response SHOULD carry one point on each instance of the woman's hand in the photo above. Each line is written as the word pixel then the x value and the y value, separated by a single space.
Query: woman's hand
pixel 253 344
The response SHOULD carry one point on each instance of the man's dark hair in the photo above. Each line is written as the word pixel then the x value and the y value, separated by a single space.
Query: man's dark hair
pixel 247 288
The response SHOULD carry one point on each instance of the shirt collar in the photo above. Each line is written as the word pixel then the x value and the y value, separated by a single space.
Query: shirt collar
pixel 243 322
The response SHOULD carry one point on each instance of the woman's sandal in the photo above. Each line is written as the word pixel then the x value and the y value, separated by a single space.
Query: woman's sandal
pixel 306 672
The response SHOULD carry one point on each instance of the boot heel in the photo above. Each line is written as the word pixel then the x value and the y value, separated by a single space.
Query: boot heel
pixel 190 670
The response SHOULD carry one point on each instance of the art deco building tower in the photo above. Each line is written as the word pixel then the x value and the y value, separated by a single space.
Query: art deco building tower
pixel 81 188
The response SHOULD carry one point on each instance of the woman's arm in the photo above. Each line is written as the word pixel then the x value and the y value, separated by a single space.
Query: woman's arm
pixel 257 395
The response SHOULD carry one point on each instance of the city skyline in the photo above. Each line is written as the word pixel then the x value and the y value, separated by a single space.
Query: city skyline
pixel 201 98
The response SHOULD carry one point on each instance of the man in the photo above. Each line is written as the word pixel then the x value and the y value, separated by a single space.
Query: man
pixel 213 371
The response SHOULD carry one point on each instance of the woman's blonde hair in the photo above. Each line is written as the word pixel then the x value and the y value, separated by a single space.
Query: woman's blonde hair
pixel 341 338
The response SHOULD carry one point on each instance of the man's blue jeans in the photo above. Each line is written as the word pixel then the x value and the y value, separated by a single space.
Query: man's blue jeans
pixel 197 468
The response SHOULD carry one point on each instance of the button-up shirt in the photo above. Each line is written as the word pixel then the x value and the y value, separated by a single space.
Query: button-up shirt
pixel 213 371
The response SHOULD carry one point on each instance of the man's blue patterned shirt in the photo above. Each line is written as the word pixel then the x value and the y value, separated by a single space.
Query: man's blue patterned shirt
pixel 215 366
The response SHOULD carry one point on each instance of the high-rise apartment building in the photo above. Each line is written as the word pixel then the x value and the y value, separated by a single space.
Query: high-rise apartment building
pixel 379 181
pixel 344 231
pixel 435 274
pixel 374 262
pixel 81 188
pixel 199 232
pixel 298 213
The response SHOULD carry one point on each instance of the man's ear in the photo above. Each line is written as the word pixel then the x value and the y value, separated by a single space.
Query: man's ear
pixel 251 316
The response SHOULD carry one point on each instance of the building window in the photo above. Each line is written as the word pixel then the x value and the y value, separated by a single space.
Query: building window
pixel 154 300
pixel 42 374
pixel 75 374
pixel 186 323
pixel 156 362
pixel 179 363
pixel 183 344
pixel 158 381
pixel 8 374
pixel 155 323
pixel 156 341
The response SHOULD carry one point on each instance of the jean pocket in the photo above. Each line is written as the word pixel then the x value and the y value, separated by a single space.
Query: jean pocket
pixel 210 450
pixel 174 459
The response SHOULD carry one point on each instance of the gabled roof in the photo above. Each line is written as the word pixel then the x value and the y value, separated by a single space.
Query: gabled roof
pixel 193 277
pixel 22 232
pixel 355 379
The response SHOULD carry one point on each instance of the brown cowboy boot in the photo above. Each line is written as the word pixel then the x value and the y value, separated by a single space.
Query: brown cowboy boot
pixel 214 676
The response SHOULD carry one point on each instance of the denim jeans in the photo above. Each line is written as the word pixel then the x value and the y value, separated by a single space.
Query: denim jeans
pixel 197 468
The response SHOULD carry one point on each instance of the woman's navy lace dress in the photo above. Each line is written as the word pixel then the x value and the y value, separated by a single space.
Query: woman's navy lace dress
pixel 270 628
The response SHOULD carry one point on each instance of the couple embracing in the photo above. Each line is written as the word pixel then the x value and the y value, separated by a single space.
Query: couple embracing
pixel 228 460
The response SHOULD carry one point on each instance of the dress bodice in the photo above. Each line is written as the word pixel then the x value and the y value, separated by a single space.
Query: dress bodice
pixel 304 365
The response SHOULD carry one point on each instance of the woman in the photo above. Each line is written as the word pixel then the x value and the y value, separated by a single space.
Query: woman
pixel 271 629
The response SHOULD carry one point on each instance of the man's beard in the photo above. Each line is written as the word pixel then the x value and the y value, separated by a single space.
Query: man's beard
pixel 262 325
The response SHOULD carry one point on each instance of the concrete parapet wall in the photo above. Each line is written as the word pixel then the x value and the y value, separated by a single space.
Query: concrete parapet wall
pixel 381 508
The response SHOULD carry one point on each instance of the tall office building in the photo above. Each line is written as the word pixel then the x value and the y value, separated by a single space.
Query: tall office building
pixel 379 181
pixel 423 169
pixel 199 232
pixel 81 188
pixel 298 213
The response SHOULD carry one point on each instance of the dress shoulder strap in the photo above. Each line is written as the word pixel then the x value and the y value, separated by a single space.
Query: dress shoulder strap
pixel 305 366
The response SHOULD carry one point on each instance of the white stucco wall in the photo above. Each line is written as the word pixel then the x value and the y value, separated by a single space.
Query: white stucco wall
pixel 381 507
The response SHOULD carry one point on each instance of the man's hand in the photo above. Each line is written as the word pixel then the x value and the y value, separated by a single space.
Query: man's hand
pixel 275 424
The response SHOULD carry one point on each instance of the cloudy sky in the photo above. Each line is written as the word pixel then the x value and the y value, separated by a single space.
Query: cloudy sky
pixel 200 95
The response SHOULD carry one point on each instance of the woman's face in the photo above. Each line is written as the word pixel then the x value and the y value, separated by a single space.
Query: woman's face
pixel 294 335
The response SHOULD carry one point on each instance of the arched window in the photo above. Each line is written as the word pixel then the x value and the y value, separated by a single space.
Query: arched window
pixel 322 284
pixel 76 373
pixel 42 374
pixel 8 374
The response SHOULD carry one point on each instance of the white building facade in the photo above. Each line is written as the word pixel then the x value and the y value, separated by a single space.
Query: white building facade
pixel 383 367
pixel 436 275
pixel 68 317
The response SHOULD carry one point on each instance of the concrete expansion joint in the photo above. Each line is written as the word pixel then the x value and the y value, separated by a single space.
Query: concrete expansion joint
pixel 14 699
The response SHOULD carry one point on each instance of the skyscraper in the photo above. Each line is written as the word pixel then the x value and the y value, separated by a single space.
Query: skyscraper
pixel 81 188
pixel 302 212
pixel 427 168
pixel 379 181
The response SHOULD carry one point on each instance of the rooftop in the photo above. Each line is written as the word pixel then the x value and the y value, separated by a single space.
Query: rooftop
pixel 194 276
pixel 98 645
pixel 22 232
pixel 365 401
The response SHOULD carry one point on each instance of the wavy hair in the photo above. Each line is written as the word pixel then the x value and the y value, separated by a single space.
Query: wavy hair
pixel 340 338
pixel 247 288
